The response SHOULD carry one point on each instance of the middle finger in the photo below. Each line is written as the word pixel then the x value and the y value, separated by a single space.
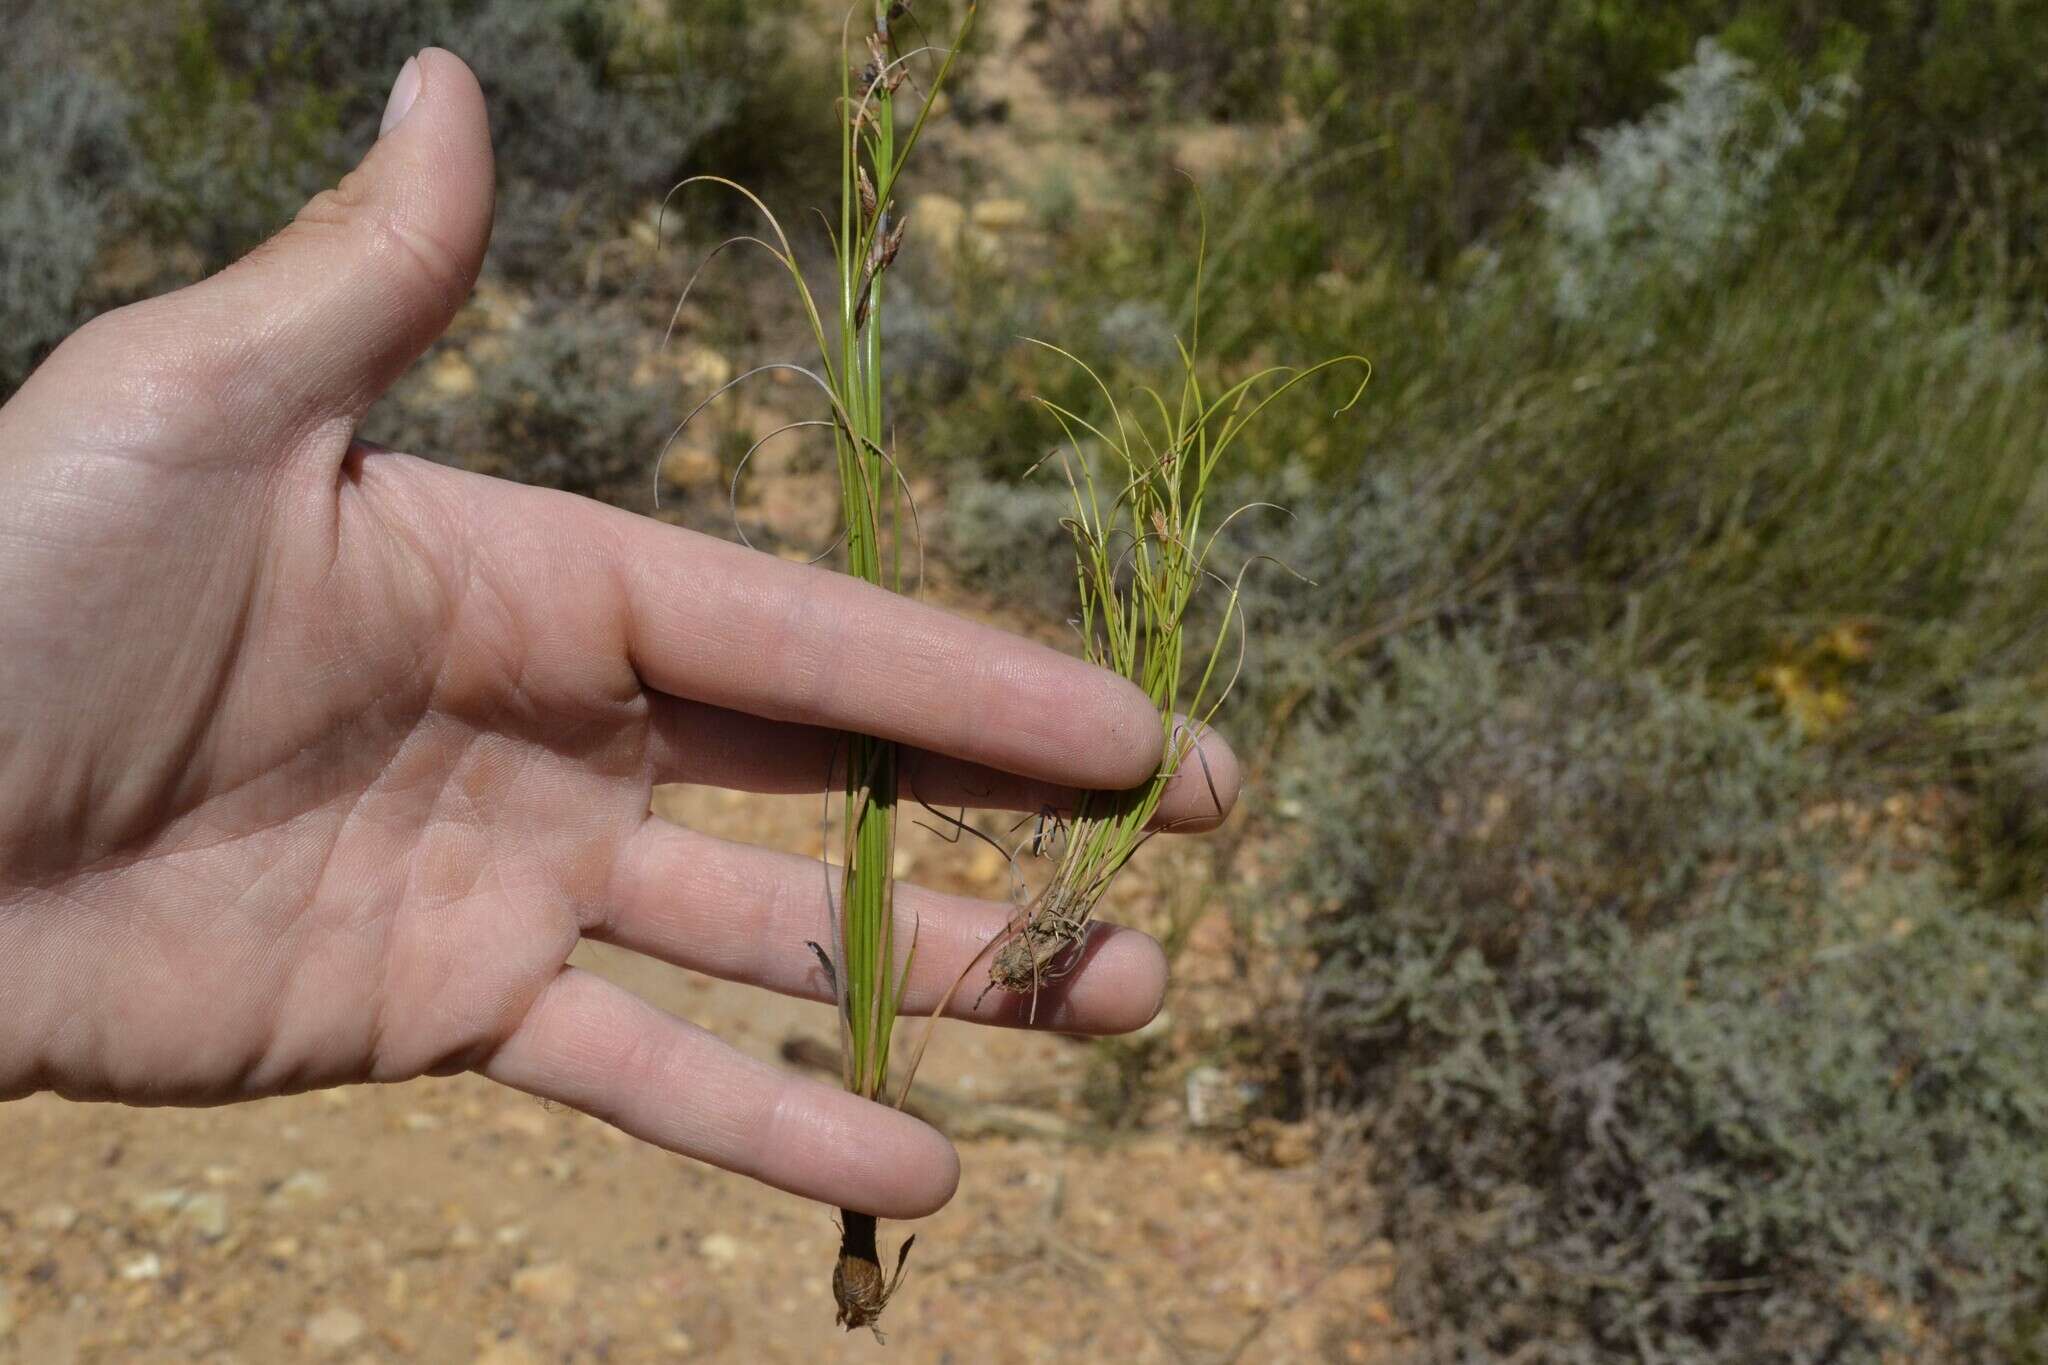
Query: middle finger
pixel 709 745
pixel 743 913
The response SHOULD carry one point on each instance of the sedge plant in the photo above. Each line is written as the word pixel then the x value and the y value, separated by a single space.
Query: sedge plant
pixel 881 115
pixel 1144 535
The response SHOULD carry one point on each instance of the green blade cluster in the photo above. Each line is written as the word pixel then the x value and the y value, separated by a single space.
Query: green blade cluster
pixel 875 507
pixel 1143 542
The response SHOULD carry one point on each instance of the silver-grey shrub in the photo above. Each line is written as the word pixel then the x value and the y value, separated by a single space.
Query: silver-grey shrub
pixel 1649 1065
pixel 552 402
pixel 1672 196
pixel 1008 538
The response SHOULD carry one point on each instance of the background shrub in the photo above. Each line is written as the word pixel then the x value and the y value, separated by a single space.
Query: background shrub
pixel 990 529
pixel 185 133
pixel 1726 451
pixel 1649 1064
pixel 561 400
pixel 595 107
pixel 1454 105
pixel 66 168
pixel 1210 57
pixel 1670 197
pixel 1677 525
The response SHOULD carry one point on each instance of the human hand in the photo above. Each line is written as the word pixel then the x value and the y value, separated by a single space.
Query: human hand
pixel 316 760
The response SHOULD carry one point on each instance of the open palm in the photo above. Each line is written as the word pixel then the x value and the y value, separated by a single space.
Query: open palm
pixel 316 760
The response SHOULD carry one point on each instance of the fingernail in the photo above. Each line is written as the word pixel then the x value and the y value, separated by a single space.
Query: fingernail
pixel 404 91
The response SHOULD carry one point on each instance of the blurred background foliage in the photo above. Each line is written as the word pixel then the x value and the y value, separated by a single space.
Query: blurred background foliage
pixel 1655 764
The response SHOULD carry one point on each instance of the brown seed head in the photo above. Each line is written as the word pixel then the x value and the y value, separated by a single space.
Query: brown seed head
pixel 892 244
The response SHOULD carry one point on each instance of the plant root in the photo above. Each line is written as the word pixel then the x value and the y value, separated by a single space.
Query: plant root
pixel 858 1286
pixel 1043 947
pixel 1031 956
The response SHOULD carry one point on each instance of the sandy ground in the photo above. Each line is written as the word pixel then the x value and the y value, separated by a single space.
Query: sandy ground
pixel 450 1220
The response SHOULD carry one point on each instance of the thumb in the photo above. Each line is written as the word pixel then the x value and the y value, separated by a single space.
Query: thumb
pixel 318 321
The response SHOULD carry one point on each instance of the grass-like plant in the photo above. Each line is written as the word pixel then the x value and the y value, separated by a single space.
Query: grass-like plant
pixel 877 137
pixel 875 509
pixel 1144 540
pixel 1144 543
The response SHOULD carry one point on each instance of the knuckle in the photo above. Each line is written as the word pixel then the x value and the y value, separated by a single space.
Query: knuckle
pixel 800 644
pixel 123 341
pixel 389 238
pixel 152 376
pixel 102 335
pixel 336 207
pixel 421 254
pixel 634 1060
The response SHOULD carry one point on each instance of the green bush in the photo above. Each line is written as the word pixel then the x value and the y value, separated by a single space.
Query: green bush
pixel 1790 439
pixel 1810 441
pixel 1436 114
pixel 1645 1068
pixel 1715 434
pixel 1950 160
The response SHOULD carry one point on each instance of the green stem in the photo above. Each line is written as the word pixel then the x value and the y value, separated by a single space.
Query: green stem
pixel 867 484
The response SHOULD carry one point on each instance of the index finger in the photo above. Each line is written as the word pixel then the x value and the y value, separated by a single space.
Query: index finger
pixel 733 627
